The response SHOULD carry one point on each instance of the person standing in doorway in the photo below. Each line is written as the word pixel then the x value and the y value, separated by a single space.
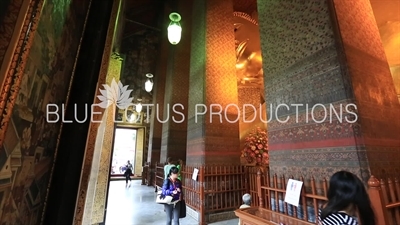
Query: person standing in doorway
pixel 167 167
pixel 128 173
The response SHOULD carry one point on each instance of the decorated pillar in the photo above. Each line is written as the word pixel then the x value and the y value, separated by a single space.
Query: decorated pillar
pixel 174 128
pixel 213 130
pixel 157 112
pixel 322 62
pixel 92 193
pixel 372 84
pixel 100 168
pixel 140 139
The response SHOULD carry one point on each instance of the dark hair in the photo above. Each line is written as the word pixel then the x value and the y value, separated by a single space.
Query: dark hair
pixel 346 189
pixel 173 170
pixel 169 160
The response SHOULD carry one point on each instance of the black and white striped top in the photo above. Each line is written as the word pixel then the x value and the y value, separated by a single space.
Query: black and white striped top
pixel 338 218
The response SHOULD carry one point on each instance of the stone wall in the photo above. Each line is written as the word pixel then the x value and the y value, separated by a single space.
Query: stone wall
pixel 304 63
pixel 213 81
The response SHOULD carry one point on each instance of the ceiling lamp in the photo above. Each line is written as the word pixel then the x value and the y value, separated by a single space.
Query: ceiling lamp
pixel 174 28
pixel 148 85
pixel 139 106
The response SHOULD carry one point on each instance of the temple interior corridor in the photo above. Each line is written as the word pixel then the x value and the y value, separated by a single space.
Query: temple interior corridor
pixel 244 96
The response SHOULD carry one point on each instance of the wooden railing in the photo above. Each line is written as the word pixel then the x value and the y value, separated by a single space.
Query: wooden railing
pixel 147 178
pixel 216 188
pixel 192 189
pixel 251 182
pixel 220 188
pixel 384 195
pixel 385 199
pixel 159 175
pixel 271 194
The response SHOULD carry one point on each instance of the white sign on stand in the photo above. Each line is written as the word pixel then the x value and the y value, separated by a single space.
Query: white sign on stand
pixel 293 191
pixel 195 173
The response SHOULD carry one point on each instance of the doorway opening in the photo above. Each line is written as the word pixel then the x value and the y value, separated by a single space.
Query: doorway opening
pixel 124 149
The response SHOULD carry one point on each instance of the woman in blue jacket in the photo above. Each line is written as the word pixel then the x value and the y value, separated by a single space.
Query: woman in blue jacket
pixel 172 186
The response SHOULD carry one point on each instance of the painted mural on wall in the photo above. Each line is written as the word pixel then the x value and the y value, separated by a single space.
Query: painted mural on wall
pixel 9 11
pixel 27 154
pixel 3 8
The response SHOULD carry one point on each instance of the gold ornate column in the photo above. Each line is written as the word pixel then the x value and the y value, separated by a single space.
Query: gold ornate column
pixel 94 177
pixel 101 160
pixel 140 140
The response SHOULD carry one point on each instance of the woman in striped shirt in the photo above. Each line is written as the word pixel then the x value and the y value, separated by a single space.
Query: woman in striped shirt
pixel 347 201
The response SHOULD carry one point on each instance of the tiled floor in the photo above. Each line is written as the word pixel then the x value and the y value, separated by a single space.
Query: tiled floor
pixel 136 206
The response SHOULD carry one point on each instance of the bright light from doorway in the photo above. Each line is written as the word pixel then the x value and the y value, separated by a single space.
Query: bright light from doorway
pixel 124 149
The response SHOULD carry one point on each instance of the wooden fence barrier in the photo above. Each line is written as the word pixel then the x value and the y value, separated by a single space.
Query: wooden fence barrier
pixel 158 176
pixel 217 188
pixel 384 195
pixel 192 189
pixel 146 174
pixel 251 182
pixel 272 195
pixel 385 199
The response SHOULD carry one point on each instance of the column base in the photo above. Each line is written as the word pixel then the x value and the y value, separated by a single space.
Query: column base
pixel 212 217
